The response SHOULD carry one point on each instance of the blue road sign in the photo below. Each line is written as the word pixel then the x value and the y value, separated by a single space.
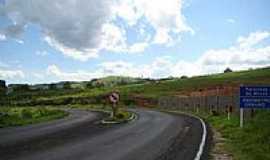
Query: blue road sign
pixel 255 97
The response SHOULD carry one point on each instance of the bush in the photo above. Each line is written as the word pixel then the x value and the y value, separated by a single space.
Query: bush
pixel 16 116
pixel 120 115
pixel 26 113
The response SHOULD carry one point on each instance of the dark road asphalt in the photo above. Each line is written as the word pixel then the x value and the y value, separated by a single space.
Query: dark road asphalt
pixel 153 136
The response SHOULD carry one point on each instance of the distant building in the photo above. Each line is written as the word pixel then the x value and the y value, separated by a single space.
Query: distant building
pixel 183 77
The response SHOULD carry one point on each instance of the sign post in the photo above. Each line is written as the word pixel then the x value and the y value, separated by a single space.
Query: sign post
pixel 114 98
pixel 253 97
pixel 229 110
pixel 241 117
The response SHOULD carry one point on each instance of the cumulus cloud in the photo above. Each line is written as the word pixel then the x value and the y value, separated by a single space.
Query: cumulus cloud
pixel 243 55
pixel 164 16
pixel 252 39
pixel 6 73
pixel 237 57
pixel 81 29
pixel 155 70
pixel 11 74
pixel 56 72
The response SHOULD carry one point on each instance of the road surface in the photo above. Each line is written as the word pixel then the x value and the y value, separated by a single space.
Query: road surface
pixel 153 136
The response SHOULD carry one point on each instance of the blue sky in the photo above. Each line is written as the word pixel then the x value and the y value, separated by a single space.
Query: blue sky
pixel 43 42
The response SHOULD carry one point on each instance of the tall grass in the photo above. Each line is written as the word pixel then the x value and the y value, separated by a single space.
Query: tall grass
pixel 249 143
pixel 17 116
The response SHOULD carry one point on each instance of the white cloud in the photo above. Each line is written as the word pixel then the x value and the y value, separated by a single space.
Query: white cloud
pixel 81 29
pixel 253 39
pixel 42 53
pixel 6 73
pixel 159 68
pixel 11 74
pixel 230 20
pixel 71 25
pixel 53 70
pixel 2 37
pixel 212 61
pixel 245 54
pixel 164 16
pixel 19 41
pixel 138 47
pixel 71 52
pixel 113 38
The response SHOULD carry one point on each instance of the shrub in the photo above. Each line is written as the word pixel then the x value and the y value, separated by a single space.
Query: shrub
pixel 26 113
pixel 120 115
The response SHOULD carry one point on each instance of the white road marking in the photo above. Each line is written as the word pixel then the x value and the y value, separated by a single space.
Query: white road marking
pixel 200 151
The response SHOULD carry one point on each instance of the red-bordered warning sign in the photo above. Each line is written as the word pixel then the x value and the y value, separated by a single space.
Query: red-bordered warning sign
pixel 114 97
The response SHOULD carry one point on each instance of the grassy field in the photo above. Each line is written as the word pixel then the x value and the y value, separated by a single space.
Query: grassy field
pixel 258 76
pixel 18 116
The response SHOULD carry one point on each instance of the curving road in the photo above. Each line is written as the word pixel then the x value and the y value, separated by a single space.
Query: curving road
pixel 153 136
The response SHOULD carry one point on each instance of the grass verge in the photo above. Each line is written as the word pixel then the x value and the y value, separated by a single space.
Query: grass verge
pixel 249 143
pixel 18 116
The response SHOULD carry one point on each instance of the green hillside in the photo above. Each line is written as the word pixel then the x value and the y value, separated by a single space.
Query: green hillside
pixel 257 76
pixel 146 88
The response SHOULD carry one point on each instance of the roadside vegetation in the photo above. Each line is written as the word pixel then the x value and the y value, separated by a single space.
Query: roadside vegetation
pixel 123 115
pixel 148 89
pixel 120 117
pixel 18 116
pixel 90 107
pixel 249 143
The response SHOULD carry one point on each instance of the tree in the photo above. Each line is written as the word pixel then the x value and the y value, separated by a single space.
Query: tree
pixel 228 70
pixel 183 77
pixel 3 87
pixel 67 85
pixel 52 86
pixel 89 85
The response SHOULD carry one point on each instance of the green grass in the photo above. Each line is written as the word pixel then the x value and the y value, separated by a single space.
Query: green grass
pixel 258 77
pixel 91 107
pixel 249 143
pixel 18 116
pixel 121 116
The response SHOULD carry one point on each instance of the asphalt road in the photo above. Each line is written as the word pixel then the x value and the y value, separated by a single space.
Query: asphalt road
pixel 153 136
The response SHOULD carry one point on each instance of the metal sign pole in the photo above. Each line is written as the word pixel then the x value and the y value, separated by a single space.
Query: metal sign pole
pixel 241 117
